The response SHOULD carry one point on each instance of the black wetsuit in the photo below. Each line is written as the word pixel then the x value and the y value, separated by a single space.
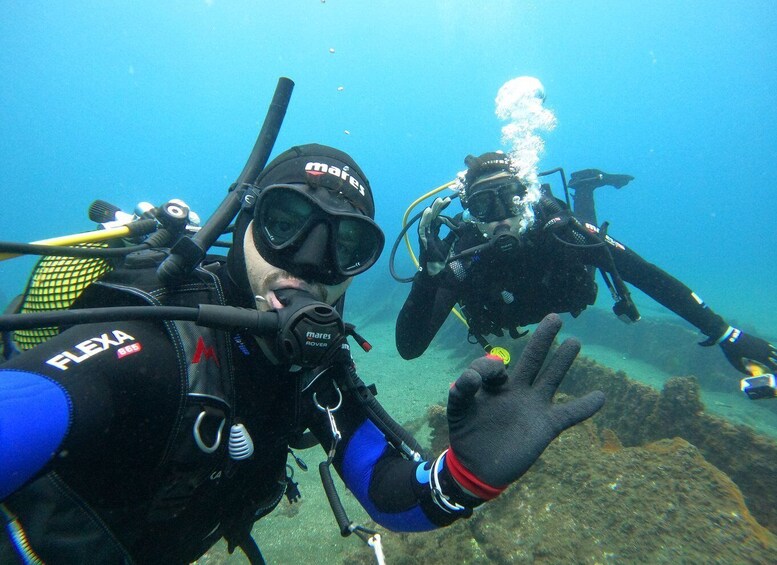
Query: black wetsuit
pixel 550 270
pixel 96 410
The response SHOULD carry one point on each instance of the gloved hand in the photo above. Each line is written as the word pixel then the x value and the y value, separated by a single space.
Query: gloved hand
pixel 739 347
pixel 501 423
pixel 433 251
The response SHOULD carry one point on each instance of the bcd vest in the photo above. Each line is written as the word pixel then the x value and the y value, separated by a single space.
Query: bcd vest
pixel 505 290
pixel 57 524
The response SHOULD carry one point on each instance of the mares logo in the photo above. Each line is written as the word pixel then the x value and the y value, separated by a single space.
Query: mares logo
pixel 313 339
pixel 317 169
pixel 206 351
pixel 92 347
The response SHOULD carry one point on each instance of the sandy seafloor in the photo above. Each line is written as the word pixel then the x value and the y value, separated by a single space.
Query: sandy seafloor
pixel 307 532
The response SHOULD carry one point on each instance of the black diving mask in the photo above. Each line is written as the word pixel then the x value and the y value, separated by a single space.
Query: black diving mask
pixel 497 202
pixel 314 233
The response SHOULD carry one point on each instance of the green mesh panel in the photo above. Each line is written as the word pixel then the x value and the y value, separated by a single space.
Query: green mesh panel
pixel 54 285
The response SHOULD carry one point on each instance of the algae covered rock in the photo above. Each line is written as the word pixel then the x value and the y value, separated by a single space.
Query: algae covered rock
pixel 590 500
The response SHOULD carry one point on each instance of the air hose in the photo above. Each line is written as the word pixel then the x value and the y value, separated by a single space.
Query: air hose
pixel 210 315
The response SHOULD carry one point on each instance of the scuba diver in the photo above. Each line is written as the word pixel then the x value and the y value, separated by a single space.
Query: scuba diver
pixel 146 441
pixel 516 253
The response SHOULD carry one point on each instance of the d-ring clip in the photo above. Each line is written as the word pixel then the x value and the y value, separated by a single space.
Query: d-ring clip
pixel 198 437
pixel 325 408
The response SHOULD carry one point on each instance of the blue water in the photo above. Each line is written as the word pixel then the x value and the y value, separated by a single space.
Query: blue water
pixel 131 101
pixel 145 100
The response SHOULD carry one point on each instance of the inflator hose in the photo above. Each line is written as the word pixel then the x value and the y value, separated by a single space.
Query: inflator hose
pixel 334 500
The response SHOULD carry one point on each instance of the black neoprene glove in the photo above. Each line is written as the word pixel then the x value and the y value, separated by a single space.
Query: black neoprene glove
pixel 501 423
pixel 433 251
pixel 739 348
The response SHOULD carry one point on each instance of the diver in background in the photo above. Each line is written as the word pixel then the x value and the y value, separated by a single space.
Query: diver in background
pixel 516 254
pixel 147 441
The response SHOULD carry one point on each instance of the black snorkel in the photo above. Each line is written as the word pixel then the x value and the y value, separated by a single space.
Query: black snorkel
pixel 187 252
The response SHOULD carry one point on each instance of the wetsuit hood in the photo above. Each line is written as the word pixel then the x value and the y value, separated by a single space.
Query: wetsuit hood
pixel 343 183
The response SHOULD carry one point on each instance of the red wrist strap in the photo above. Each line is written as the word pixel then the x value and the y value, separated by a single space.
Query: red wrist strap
pixel 469 481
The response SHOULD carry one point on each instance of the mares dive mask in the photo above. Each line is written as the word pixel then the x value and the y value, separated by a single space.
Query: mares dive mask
pixel 314 234
pixel 494 199
pixel 491 191
pixel 495 204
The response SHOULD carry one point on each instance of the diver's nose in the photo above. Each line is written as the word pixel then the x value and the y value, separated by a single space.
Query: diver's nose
pixel 313 251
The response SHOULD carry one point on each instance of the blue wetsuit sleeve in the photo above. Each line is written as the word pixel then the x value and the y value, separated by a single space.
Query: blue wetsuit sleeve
pixel 35 416
pixel 395 492
pixel 364 450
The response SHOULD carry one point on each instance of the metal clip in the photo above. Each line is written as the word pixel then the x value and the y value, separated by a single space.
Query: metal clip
pixel 336 435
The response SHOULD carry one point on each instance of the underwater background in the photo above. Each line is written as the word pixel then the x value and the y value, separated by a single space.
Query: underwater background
pixel 131 101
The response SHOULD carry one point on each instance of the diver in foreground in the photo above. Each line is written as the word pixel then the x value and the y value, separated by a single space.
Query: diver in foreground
pixel 148 441
pixel 516 254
